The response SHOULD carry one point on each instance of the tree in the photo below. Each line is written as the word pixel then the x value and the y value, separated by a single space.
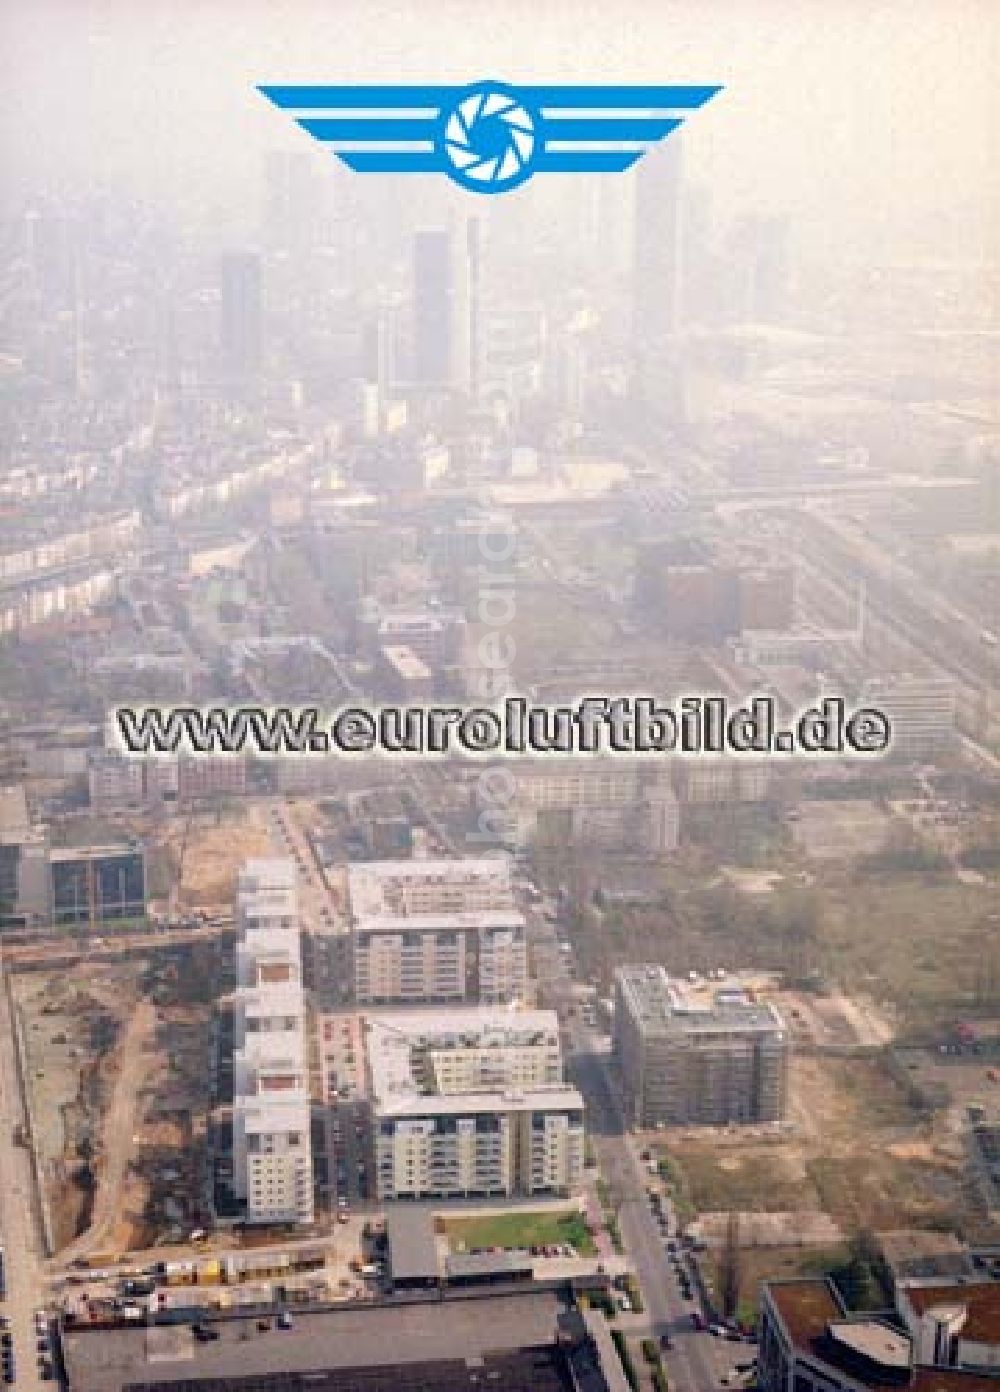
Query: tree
pixel 731 1267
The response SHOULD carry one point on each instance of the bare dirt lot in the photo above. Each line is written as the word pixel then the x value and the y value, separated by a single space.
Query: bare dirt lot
pixel 858 1151
pixel 208 848
pixel 118 1076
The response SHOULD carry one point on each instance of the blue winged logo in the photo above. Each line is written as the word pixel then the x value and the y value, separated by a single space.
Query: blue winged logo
pixel 489 137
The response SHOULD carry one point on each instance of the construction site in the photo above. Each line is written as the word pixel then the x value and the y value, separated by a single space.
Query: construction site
pixel 115 1058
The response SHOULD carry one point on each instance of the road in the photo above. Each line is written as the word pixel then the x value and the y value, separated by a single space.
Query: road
pixel 123 1115
pixel 692 1362
pixel 697 1359
pixel 19 1227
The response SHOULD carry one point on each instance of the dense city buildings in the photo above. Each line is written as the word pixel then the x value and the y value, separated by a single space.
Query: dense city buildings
pixel 471 1103
pixel 705 1055
pixel 657 275
pixel 241 314
pixel 328 1070
pixel 442 309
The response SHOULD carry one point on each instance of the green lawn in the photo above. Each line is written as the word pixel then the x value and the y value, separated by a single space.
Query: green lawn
pixel 521 1230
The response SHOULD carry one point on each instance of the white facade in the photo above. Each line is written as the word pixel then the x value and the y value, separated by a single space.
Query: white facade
pixel 272 1151
pixel 610 805
pixel 472 1103
pixel 437 930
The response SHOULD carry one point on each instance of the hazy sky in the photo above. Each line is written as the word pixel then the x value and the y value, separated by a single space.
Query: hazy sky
pixel 860 116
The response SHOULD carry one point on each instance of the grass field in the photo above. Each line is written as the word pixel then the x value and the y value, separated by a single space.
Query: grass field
pixel 539 1229
pixel 759 1181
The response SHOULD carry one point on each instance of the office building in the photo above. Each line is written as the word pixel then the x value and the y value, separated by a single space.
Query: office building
pixel 436 931
pixel 721 782
pixel 766 597
pixel 25 887
pixel 657 273
pixel 97 884
pixel 609 804
pixel 512 342
pixel 921 711
pixel 471 1103
pixel 272 1148
pixel 691 1055
pixel 117 780
pixel 441 310
pixel 211 776
pixel 809 1342
pixel 114 781
pixel 292 200
pixel 241 313
pixel 535 1337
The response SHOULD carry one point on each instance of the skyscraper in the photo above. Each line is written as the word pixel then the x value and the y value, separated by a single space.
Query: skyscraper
pixel 657 274
pixel 441 309
pixel 474 243
pixel 292 199
pixel 240 324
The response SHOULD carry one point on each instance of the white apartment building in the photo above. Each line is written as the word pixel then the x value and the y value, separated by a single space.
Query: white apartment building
pixel 266 894
pixel 272 1150
pixel 272 1153
pixel 405 887
pixel 472 1103
pixel 610 804
pixel 436 931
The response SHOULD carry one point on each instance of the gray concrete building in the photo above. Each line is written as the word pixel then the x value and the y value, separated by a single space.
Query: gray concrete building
pixel 697 1054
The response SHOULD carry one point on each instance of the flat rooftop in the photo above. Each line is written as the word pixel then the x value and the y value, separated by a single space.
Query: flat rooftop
pixel 266 887
pixel 914 1255
pixel 65 854
pixel 261 905
pixel 981 1300
pixel 401 1050
pixel 806 1307
pixel 413 1253
pixel 15 823
pixel 441 921
pixel 871 1355
pixel 391 1341
pixel 274 1051
pixel 274 998
pixel 380 887
pixel 275 1110
pixel 663 1006
pixel 267 872
pixel 872 1339
pixel 405 662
